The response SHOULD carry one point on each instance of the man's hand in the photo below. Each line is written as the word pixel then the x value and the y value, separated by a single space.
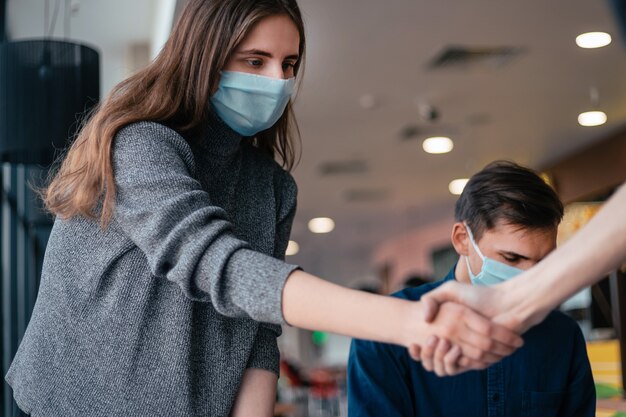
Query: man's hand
pixel 457 330
pixel 502 303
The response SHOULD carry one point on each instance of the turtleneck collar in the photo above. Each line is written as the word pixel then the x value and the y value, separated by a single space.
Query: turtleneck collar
pixel 219 139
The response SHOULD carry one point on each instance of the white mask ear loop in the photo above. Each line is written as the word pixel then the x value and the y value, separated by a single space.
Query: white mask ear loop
pixel 474 244
pixel 469 268
pixel 471 236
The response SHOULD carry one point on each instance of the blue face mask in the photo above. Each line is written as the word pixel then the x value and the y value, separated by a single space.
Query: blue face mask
pixel 492 272
pixel 250 103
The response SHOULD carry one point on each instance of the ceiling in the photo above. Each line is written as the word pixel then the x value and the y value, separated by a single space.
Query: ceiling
pixel 525 109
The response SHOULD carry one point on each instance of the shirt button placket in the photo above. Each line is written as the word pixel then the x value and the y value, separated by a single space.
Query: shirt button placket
pixel 495 391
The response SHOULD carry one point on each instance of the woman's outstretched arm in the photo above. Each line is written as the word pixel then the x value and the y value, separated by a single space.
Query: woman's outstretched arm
pixel 312 303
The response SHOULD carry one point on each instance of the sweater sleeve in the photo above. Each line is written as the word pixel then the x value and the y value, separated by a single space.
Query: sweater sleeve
pixel 186 239
pixel 265 354
pixel 286 213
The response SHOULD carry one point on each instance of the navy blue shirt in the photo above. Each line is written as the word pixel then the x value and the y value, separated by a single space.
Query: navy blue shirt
pixel 549 376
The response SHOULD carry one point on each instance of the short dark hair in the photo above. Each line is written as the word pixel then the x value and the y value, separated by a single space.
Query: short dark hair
pixel 505 191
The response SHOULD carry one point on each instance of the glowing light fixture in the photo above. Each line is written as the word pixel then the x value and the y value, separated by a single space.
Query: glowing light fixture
pixel 591 40
pixel 321 225
pixel 437 145
pixel 319 338
pixel 456 186
pixel 592 118
pixel 292 248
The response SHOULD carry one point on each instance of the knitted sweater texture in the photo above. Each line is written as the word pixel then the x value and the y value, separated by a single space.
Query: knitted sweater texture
pixel 162 312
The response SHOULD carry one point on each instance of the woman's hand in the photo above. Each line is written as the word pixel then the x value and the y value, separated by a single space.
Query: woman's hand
pixel 461 332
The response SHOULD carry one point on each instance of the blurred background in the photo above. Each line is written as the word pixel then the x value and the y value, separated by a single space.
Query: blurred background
pixel 401 101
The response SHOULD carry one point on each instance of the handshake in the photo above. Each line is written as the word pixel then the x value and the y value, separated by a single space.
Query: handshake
pixel 459 327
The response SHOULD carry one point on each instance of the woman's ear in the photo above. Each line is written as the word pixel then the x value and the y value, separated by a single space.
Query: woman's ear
pixel 460 239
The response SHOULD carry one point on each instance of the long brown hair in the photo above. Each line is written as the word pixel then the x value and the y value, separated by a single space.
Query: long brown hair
pixel 174 90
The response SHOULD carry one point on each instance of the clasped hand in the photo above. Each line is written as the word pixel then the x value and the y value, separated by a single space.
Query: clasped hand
pixel 466 328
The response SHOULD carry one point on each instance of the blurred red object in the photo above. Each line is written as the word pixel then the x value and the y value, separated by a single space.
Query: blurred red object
pixel 293 374
pixel 323 383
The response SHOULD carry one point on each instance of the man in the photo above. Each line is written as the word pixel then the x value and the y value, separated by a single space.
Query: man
pixel 506 222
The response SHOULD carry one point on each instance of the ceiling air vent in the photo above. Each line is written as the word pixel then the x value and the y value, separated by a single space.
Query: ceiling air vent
pixel 343 167
pixel 465 57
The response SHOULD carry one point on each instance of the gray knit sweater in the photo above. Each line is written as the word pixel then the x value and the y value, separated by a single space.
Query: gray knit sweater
pixel 159 314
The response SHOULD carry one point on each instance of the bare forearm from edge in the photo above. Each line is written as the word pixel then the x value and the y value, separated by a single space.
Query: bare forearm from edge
pixel 583 260
pixel 312 303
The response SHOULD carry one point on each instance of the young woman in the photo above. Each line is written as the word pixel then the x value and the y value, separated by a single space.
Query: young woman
pixel 164 286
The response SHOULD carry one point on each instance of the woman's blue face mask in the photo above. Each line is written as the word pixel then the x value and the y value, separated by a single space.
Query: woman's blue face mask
pixel 250 103
pixel 492 271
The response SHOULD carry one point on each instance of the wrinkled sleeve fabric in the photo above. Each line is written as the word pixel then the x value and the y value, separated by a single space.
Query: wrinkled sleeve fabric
pixel 378 381
pixel 580 398
pixel 265 353
pixel 186 239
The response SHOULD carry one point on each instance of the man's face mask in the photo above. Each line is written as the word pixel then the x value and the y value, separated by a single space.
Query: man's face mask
pixel 492 272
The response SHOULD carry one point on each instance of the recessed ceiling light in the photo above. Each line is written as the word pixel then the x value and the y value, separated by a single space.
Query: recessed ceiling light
pixel 439 144
pixel 292 248
pixel 368 101
pixel 321 225
pixel 592 118
pixel 593 40
pixel 456 186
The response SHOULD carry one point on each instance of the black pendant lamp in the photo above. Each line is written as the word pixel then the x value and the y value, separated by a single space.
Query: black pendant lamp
pixel 45 88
